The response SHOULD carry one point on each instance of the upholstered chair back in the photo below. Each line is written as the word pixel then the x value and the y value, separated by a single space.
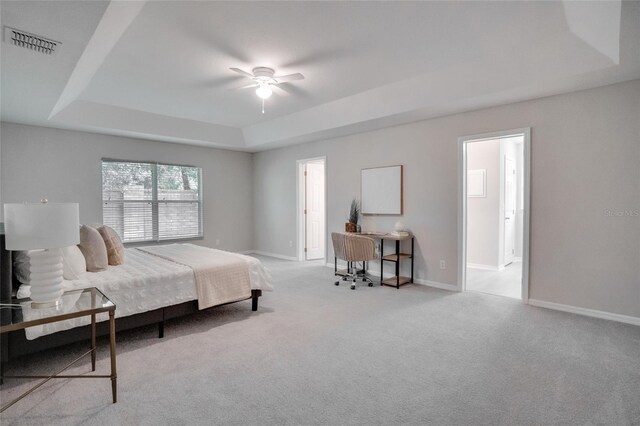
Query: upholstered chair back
pixel 358 248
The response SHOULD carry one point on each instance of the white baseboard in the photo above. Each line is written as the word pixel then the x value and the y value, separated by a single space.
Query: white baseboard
pixel 586 311
pixel 436 284
pixel 376 273
pixel 276 255
pixel 485 267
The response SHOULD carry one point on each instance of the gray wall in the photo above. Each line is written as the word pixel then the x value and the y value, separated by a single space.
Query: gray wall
pixel 65 166
pixel 585 171
pixel 483 213
pixel 585 237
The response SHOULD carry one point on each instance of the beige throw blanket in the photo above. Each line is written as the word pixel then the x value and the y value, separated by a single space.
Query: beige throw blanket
pixel 221 277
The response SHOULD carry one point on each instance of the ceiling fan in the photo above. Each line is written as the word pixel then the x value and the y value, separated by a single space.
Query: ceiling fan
pixel 263 78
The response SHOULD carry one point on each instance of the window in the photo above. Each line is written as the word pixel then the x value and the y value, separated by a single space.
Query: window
pixel 151 201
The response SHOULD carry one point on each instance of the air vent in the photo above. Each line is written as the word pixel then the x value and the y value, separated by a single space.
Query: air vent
pixel 30 41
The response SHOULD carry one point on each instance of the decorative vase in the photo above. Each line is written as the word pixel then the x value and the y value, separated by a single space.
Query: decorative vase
pixel 350 227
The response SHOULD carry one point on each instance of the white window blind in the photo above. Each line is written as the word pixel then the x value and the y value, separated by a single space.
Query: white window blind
pixel 151 201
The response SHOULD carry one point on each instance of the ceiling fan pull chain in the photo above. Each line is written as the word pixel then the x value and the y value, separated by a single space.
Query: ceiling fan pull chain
pixel 263 106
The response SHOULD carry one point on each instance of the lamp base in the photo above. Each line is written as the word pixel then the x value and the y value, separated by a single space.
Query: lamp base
pixel 45 277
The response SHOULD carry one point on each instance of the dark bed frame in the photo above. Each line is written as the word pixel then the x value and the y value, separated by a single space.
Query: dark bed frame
pixel 15 344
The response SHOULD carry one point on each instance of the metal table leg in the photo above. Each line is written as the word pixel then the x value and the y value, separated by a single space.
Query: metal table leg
pixel 112 349
pixel 93 342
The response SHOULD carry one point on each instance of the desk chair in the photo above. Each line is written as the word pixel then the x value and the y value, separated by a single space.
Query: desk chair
pixel 353 248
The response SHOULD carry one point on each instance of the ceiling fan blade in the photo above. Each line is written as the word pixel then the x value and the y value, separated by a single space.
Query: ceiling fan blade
pixel 290 77
pixel 247 86
pixel 280 90
pixel 239 71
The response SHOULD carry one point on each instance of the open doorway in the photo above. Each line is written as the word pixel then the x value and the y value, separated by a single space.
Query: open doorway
pixel 495 213
pixel 311 209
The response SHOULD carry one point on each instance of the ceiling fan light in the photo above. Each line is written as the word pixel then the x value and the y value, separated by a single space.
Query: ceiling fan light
pixel 264 91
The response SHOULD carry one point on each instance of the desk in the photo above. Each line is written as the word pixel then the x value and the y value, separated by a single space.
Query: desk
pixel 73 304
pixel 396 257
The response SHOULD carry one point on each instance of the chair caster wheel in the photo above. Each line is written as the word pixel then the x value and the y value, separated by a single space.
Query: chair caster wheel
pixel 370 284
pixel 364 280
pixel 337 283
pixel 353 287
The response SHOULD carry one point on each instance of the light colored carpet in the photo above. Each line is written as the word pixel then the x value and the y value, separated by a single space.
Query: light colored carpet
pixel 325 355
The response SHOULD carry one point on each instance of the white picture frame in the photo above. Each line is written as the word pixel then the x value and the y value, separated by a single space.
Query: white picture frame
pixel 381 190
pixel 477 183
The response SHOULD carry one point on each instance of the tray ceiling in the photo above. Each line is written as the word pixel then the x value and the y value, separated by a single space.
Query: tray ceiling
pixel 160 70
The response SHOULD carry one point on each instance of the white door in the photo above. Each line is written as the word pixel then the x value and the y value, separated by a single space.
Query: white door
pixel 314 208
pixel 509 210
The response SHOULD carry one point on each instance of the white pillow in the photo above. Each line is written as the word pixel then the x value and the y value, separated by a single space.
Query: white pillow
pixel 22 266
pixel 74 264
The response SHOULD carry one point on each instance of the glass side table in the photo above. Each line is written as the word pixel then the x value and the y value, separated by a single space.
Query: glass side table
pixel 72 304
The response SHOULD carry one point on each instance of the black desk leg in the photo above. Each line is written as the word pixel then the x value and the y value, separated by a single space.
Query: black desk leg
pixel 397 264
pixel 381 261
pixel 412 256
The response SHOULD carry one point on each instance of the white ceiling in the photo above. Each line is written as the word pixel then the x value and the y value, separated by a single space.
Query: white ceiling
pixel 160 69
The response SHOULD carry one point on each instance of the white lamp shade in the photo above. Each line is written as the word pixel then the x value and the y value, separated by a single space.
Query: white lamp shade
pixel 41 226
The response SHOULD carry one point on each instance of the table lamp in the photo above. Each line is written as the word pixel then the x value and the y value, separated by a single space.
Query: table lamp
pixel 44 228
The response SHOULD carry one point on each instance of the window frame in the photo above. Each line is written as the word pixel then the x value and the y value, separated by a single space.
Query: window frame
pixel 155 201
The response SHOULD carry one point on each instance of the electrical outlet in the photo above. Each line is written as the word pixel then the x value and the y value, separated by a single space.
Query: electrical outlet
pixel 290 243
pixel 217 242
pixel 443 265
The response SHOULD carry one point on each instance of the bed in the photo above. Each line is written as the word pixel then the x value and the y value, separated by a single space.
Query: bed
pixel 154 284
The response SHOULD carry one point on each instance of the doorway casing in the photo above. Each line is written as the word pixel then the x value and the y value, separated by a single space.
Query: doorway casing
pixel 462 202
pixel 300 205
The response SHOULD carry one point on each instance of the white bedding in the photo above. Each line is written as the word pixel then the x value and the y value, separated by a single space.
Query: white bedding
pixel 220 279
pixel 143 283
